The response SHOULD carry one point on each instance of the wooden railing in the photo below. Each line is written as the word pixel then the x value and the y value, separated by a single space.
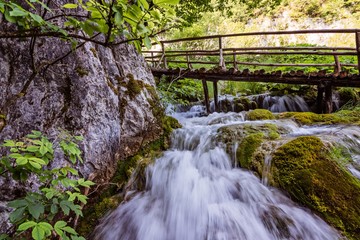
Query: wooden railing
pixel 229 57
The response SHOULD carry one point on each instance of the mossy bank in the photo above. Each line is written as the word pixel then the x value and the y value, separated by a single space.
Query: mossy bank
pixel 130 175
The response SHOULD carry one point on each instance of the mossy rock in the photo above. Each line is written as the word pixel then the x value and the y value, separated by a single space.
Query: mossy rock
pixel 303 167
pixel 259 114
pixel 249 139
pixel 310 118
pixel 247 148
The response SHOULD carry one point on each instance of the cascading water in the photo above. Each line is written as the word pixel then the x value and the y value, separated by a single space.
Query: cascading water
pixel 194 193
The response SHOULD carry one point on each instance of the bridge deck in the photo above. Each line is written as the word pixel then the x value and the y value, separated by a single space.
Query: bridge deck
pixel 342 79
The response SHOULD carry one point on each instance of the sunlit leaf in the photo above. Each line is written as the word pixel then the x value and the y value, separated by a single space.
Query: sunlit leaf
pixel 70 5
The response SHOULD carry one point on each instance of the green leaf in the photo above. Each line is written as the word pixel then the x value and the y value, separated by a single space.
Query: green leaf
pixel 70 5
pixel 54 209
pixel 47 227
pixel 35 165
pixel 118 19
pixel 82 198
pixel 69 230
pixel 26 225
pixel 17 215
pixel 15 155
pixel 147 42
pixel 141 29
pixel 21 161
pixel 145 4
pixel 38 233
pixel 4 236
pixel 77 238
pixel 64 207
pixel 60 224
pixel 32 149
pixel 17 12
pixel 9 143
pixel 9 19
pixel 37 18
pixel 156 14
pixel 17 203
pixel 162 2
pixel 37 160
pixel 36 210
pixel 43 150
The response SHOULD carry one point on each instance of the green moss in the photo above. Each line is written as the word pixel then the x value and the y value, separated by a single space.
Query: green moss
pixel 348 95
pixel 247 148
pixel 81 71
pixel 304 168
pixel 93 50
pixel 133 88
pixel 309 118
pixel 249 138
pixel 170 123
pixel 259 114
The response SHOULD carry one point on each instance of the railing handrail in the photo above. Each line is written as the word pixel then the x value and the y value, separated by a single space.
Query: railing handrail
pixel 354 30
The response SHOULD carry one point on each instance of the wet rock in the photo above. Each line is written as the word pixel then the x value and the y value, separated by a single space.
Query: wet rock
pixel 304 168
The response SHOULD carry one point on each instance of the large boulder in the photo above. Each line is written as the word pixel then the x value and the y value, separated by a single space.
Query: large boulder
pixel 107 95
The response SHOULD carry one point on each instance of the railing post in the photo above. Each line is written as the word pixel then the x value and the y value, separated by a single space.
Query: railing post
pixel 163 55
pixel 188 60
pixel 153 64
pixel 221 56
pixel 357 39
pixel 337 63
pixel 235 63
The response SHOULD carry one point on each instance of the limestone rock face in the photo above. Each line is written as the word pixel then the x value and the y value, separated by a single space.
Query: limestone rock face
pixel 86 93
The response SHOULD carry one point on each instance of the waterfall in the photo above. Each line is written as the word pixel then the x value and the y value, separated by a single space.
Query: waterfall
pixel 194 193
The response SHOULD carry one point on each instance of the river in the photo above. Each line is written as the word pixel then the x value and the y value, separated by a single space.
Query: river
pixel 194 192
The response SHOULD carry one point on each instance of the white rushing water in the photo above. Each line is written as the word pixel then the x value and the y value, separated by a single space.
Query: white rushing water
pixel 194 193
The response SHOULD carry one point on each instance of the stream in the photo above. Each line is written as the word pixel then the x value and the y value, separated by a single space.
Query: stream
pixel 194 192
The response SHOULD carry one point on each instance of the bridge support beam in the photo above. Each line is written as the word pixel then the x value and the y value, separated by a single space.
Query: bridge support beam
pixel 206 95
pixel 328 98
pixel 320 98
pixel 216 97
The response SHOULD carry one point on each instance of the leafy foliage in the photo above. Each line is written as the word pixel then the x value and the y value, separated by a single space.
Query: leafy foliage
pixel 180 91
pixel 137 21
pixel 59 194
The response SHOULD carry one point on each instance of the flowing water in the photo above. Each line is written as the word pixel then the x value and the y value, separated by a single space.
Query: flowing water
pixel 193 192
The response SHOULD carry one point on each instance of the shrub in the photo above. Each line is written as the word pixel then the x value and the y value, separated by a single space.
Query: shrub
pixel 45 212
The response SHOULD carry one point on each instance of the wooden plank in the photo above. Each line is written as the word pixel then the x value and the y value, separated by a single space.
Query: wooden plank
pixel 216 97
pixel 265 33
pixel 206 96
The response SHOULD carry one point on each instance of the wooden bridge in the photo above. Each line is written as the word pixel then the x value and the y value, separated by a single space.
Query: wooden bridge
pixel 241 64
